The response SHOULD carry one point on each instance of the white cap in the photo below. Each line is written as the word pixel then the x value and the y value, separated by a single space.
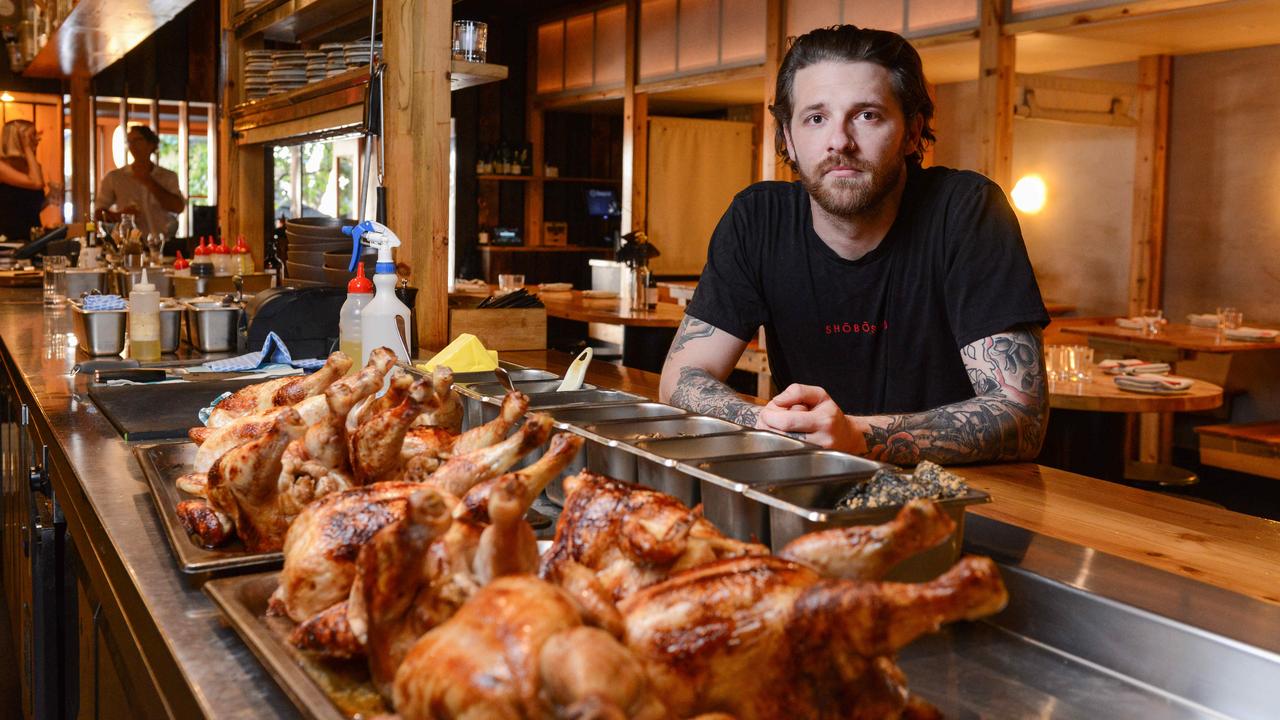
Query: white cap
pixel 142 285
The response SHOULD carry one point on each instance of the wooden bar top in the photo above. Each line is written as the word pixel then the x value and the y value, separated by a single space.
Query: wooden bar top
pixel 1237 552
pixel 1101 394
pixel 1178 335
pixel 573 306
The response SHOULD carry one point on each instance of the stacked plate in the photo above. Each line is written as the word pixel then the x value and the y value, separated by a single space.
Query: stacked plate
pixel 307 240
pixel 257 66
pixel 335 59
pixel 316 65
pixel 288 71
pixel 357 53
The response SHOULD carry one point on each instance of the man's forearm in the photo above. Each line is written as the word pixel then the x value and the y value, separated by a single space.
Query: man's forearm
pixel 977 430
pixel 697 390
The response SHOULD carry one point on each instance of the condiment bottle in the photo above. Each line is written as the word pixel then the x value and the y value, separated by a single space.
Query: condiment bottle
pixel 181 268
pixel 350 335
pixel 222 259
pixel 89 254
pixel 144 321
pixel 244 258
pixel 202 265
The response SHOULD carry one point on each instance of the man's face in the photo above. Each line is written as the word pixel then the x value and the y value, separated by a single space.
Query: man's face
pixel 139 146
pixel 848 135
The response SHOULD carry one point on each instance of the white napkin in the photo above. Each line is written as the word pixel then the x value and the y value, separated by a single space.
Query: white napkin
pixel 1130 323
pixel 555 287
pixel 1118 367
pixel 1165 383
pixel 1209 320
pixel 1252 334
pixel 1152 368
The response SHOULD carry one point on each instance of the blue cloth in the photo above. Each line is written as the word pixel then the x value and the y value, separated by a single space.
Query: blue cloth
pixel 273 352
pixel 104 302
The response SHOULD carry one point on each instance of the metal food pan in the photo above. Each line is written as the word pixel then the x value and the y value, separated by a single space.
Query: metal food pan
pixel 480 401
pixel 99 332
pixel 213 327
pixel 162 464
pixel 722 482
pixel 797 508
pixel 592 414
pixel 661 468
pixel 170 329
pixel 487 408
pixel 674 428
pixel 518 374
pixel 321 689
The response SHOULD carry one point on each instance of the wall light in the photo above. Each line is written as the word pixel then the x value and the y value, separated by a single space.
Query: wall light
pixel 1029 194
pixel 118 147
pixel 6 97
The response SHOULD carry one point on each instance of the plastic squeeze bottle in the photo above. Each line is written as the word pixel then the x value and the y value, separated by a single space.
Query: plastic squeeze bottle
pixel 202 265
pixel 350 337
pixel 144 321
pixel 384 322
pixel 181 268
pixel 243 258
pixel 222 259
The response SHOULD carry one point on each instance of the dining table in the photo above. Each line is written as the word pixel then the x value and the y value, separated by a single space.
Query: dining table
pixel 1194 351
pixel 646 332
pixel 1075 440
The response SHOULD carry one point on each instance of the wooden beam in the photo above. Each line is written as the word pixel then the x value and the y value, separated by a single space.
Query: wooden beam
pixel 774 49
pixel 1110 13
pixel 635 130
pixel 416 40
pixel 996 53
pixel 1146 264
pixel 81 146
pixel 701 79
pixel 534 131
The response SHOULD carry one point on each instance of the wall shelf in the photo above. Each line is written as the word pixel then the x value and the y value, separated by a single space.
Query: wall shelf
pixel 542 179
pixel 329 107
pixel 96 33
pixel 468 74
pixel 304 20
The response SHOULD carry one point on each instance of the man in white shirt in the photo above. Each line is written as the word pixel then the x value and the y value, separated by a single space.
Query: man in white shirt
pixel 143 189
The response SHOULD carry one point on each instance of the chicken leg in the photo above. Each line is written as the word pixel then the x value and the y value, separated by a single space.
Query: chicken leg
pixel 376 443
pixel 868 552
pixel 463 472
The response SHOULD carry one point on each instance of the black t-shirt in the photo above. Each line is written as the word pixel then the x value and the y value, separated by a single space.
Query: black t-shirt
pixel 883 333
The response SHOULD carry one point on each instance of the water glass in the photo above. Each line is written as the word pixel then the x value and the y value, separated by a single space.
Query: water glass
pixel 508 283
pixel 1081 362
pixel 155 248
pixel 55 279
pixel 1229 318
pixel 470 41
pixel 1152 319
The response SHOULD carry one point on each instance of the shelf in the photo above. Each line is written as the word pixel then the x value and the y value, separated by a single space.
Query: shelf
pixel 468 74
pixel 542 179
pixel 304 20
pixel 96 33
pixel 333 106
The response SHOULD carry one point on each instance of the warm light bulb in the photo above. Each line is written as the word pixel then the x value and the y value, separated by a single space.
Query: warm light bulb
pixel 6 97
pixel 118 146
pixel 1029 194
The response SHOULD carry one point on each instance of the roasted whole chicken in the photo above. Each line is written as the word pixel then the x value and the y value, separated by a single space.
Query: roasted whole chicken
pixel 630 536
pixel 279 392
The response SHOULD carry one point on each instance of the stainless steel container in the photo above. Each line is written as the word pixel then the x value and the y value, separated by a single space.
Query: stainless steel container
pixel 518 374
pixel 126 278
pixel 99 332
pixel 584 415
pixel 170 328
pixel 81 281
pixel 662 470
pixel 480 401
pixel 212 327
pixel 722 482
pixel 800 507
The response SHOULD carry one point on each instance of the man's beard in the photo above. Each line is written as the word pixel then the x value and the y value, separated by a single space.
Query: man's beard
pixel 849 197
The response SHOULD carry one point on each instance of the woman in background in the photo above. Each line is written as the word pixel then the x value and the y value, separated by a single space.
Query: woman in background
pixel 21 181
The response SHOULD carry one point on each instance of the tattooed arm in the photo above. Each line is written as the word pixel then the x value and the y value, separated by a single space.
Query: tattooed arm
pixel 1004 421
pixel 701 357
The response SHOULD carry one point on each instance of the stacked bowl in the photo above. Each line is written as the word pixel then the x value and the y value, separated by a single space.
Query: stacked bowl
pixel 306 242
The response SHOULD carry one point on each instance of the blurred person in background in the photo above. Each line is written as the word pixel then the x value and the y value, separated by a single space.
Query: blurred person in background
pixel 22 192
pixel 142 188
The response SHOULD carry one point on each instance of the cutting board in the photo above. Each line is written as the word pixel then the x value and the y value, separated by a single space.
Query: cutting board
pixel 160 411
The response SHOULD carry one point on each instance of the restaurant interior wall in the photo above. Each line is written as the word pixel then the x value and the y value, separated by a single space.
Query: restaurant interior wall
pixel 1079 242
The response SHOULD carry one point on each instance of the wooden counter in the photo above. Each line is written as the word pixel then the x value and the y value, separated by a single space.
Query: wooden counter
pixel 573 306
pixel 1212 545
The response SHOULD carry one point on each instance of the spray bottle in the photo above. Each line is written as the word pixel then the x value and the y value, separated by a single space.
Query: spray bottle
pixel 350 337
pixel 384 322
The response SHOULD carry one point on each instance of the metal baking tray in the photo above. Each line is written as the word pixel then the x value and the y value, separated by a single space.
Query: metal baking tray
pixel 321 689
pixel 162 463
pixel 805 506
pixel 721 483
pixel 663 467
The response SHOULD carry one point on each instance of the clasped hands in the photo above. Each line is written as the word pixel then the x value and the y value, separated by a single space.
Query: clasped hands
pixel 808 412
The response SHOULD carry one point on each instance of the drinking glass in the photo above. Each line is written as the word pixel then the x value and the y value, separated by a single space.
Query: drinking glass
pixel 1152 319
pixel 470 41
pixel 155 248
pixel 1055 362
pixel 1081 362
pixel 507 283
pixel 55 279
pixel 1229 318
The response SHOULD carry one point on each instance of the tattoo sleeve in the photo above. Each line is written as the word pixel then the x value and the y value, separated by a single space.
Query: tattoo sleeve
pixel 698 391
pixel 691 328
pixel 1005 421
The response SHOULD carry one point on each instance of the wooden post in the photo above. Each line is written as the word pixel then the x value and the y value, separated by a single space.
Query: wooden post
pixel 533 192
pixel 416 40
pixel 1146 264
pixel 82 129
pixel 774 47
pixel 635 131
pixel 995 94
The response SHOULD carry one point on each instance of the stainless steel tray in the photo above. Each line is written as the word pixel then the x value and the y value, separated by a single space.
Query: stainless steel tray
pixel 519 373
pixel 322 690
pixel 593 414
pixel 662 463
pixel 806 506
pixel 482 409
pixel 721 483
pixel 162 463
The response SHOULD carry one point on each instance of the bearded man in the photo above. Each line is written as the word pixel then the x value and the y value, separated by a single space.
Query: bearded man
pixel 900 310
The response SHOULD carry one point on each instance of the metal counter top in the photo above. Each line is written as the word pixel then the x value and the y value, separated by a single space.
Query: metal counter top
pixel 199 665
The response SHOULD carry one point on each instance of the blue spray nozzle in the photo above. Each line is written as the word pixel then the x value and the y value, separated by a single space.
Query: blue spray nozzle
pixel 356 232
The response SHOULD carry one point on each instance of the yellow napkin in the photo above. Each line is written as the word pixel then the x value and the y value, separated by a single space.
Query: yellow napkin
pixel 465 354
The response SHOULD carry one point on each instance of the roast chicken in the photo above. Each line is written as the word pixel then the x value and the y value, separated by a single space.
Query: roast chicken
pixel 426 442
pixel 630 536
pixel 279 392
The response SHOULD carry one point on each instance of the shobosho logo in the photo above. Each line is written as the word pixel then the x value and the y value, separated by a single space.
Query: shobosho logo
pixel 854 327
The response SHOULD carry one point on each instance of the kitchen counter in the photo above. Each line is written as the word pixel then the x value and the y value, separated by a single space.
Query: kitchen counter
pixel 180 660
